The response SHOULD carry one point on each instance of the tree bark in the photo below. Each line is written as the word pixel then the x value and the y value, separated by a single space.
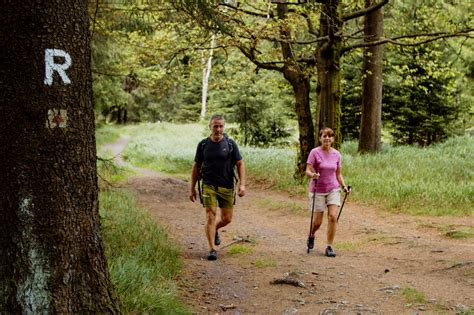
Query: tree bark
pixel 52 257
pixel 206 72
pixel 371 118
pixel 328 58
pixel 300 81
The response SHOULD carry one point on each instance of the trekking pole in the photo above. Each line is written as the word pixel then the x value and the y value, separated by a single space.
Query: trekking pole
pixel 345 196
pixel 312 210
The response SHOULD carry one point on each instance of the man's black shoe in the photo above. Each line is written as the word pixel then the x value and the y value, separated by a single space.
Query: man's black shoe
pixel 217 239
pixel 212 255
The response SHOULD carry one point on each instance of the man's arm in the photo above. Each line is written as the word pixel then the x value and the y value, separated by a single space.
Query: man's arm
pixel 241 171
pixel 194 178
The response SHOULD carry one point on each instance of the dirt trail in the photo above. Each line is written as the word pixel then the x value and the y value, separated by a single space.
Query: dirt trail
pixel 379 256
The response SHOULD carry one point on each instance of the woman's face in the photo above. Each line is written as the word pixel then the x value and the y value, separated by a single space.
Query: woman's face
pixel 326 139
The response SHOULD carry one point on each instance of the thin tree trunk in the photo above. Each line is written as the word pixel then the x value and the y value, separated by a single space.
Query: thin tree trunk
pixel 328 63
pixel 371 118
pixel 206 72
pixel 51 253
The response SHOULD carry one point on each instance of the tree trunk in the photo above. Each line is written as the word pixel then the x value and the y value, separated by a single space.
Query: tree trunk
pixel 371 118
pixel 300 81
pixel 51 253
pixel 328 63
pixel 301 87
pixel 206 72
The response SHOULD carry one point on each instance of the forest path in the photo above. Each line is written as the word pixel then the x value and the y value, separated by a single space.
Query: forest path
pixel 379 256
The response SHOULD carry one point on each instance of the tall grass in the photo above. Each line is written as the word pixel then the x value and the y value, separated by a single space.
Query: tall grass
pixel 164 147
pixel 422 181
pixel 143 263
pixel 437 180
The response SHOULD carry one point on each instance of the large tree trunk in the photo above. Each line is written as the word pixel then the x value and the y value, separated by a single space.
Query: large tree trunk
pixel 300 81
pixel 371 119
pixel 328 64
pixel 301 87
pixel 51 253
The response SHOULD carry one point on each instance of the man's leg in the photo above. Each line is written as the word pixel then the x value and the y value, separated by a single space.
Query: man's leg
pixel 210 226
pixel 225 218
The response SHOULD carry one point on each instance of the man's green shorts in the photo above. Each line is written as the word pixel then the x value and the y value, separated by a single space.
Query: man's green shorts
pixel 213 196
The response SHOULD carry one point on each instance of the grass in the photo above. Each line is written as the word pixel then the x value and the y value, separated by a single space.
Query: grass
pixel 265 263
pixel 240 249
pixel 419 181
pixel 412 296
pixel 405 179
pixel 143 263
pixel 351 246
pixel 290 206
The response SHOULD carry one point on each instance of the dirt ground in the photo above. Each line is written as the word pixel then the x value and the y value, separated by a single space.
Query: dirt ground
pixel 380 256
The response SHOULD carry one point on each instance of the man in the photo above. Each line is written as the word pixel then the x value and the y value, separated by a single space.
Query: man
pixel 215 159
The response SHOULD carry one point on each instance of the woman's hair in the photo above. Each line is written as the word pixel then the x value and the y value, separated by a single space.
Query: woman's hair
pixel 327 131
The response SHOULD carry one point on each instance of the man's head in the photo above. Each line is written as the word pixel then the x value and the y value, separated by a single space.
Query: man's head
pixel 217 124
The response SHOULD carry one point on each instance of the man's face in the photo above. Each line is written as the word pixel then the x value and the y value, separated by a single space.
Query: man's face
pixel 217 127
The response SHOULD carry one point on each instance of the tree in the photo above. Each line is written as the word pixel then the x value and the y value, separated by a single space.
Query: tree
pixel 371 118
pixel 52 258
pixel 206 72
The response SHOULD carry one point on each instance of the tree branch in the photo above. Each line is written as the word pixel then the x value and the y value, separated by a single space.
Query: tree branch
pixel 364 11
pixel 395 40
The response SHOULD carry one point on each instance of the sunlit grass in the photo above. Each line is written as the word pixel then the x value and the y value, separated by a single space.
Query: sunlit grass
pixel 429 181
pixel 240 249
pixel 352 246
pixel 412 295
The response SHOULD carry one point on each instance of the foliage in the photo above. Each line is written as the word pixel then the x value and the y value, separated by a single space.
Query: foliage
pixel 259 103
pixel 162 50
pixel 143 263
pixel 422 98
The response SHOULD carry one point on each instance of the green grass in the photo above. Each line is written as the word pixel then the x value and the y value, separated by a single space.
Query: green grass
pixel 460 232
pixel 265 263
pixel 106 134
pixel 239 249
pixel 290 206
pixel 413 296
pixel 419 181
pixel 352 246
pixel 143 263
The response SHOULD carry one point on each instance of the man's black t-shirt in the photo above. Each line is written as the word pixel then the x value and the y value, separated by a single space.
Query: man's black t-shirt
pixel 216 160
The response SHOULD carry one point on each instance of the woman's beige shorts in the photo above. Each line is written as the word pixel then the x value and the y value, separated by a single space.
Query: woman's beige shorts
pixel 322 200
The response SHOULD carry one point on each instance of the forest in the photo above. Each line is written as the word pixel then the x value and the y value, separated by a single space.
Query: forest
pixel 398 72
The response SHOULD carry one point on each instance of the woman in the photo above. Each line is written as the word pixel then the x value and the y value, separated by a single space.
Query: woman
pixel 324 168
